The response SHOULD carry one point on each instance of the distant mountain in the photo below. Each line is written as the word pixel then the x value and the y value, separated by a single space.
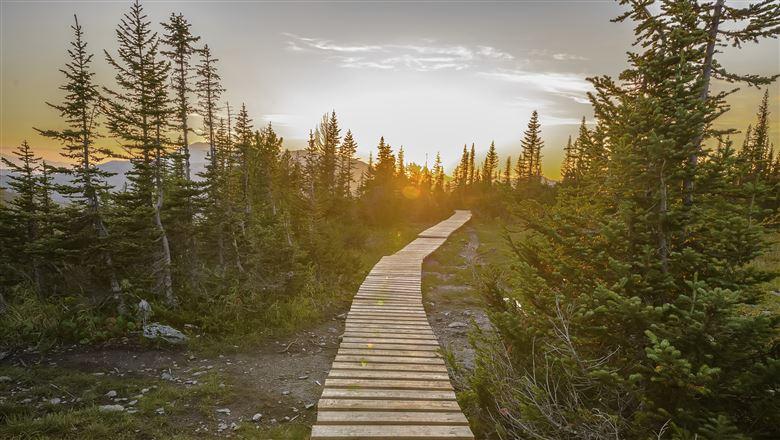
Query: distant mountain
pixel 198 161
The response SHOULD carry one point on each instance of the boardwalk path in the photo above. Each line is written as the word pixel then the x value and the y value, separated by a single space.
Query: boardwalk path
pixel 388 381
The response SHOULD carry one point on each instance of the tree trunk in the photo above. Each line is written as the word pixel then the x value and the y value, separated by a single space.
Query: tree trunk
pixel 167 281
pixel 693 159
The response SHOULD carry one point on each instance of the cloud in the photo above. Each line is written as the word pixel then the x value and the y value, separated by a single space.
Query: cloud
pixel 280 119
pixel 423 57
pixel 568 57
pixel 568 85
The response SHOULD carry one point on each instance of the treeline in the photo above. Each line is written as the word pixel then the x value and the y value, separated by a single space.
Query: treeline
pixel 632 308
pixel 220 248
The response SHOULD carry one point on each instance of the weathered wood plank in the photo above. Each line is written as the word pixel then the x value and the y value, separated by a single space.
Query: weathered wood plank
pixel 391 418
pixel 389 432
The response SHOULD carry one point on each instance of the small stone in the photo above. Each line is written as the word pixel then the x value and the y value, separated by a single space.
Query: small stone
pixel 55 400
pixel 304 377
pixel 160 411
pixel 286 418
pixel 222 426
pixel 257 417
pixel 145 390
pixel 5 379
pixel 223 411
pixel 111 394
pixel 273 421
pixel 166 376
pixel 234 426
pixel 111 408
pixel 285 393
pixel 27 400
pixel 456 324
pixel 309 406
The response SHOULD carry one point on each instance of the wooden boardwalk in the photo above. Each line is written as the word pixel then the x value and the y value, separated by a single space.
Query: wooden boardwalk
pixel 388 380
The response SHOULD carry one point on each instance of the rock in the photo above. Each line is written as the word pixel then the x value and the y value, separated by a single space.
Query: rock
pixel 160 411
pixel 145 390
pixel 303 377
pixel 166 376
pixel 285 393
pixel 221 426
pixel 223 411
pixel 456 324
pixel 132 402
pixel 5 379
pixel 164 332
pixel 341 316
pixel 257 417
pixel 26 401
pixel 273 421
pixel 55 401
pixel 111 408
pixel 234 426
pixel 309 406
pixel 111 394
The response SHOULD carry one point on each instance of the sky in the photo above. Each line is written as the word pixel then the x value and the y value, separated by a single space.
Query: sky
pixel 430 77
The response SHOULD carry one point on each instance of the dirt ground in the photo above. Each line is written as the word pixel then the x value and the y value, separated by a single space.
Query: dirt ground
pixel 450 301
pixel 282 380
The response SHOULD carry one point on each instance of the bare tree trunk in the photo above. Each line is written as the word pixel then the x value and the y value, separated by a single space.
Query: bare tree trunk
pixel 693 159
pixel 167 281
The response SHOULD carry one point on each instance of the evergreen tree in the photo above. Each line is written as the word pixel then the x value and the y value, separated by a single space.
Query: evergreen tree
pixel 508 172
pixel 490 168
pixel 438 175
pixel 532 146
pixel 470 170
pixel 568 167
pixel 400 161
pixel 347 152
pixel 79 111
pixel 137 114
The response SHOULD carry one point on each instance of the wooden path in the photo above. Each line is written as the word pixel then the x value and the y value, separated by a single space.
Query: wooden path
pixel 388 380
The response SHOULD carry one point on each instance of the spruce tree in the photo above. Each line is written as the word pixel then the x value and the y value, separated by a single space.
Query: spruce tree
pixel 137 114
pixel 347 152
pixel 438 175
pixel 490 168
pixel 79 111
pixel 508 172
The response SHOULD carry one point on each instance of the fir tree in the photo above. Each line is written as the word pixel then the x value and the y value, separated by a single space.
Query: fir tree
pixel 438 175
pixel 508 172
pixel 490 168
pixel 347 152
pixel 79 111
pixel 137 113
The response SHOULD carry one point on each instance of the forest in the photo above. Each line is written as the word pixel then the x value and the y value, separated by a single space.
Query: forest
pixel 637 297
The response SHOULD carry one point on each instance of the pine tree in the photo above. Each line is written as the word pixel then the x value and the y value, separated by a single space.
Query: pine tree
pixel 79 111
pixel 508 172
pixel 25 217
pixel 568 167
pixel 532 146
pixel 137 114
pixel 471 167
pixel 181 41
pixel 401 172
pixel 490 168
pixel 438 175
pixel 346 154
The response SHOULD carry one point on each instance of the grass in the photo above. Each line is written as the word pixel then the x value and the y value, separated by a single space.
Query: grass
pixel 27 412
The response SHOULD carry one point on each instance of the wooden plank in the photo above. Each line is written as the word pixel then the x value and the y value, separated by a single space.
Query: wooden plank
pixel 390 432
pixel 390 384
pixel 374 352
pixel 388 360
pixel 388 367
pixel 387 405
pixel 372 346
pixel 382 394
pixel 378 374
pixel 391 418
